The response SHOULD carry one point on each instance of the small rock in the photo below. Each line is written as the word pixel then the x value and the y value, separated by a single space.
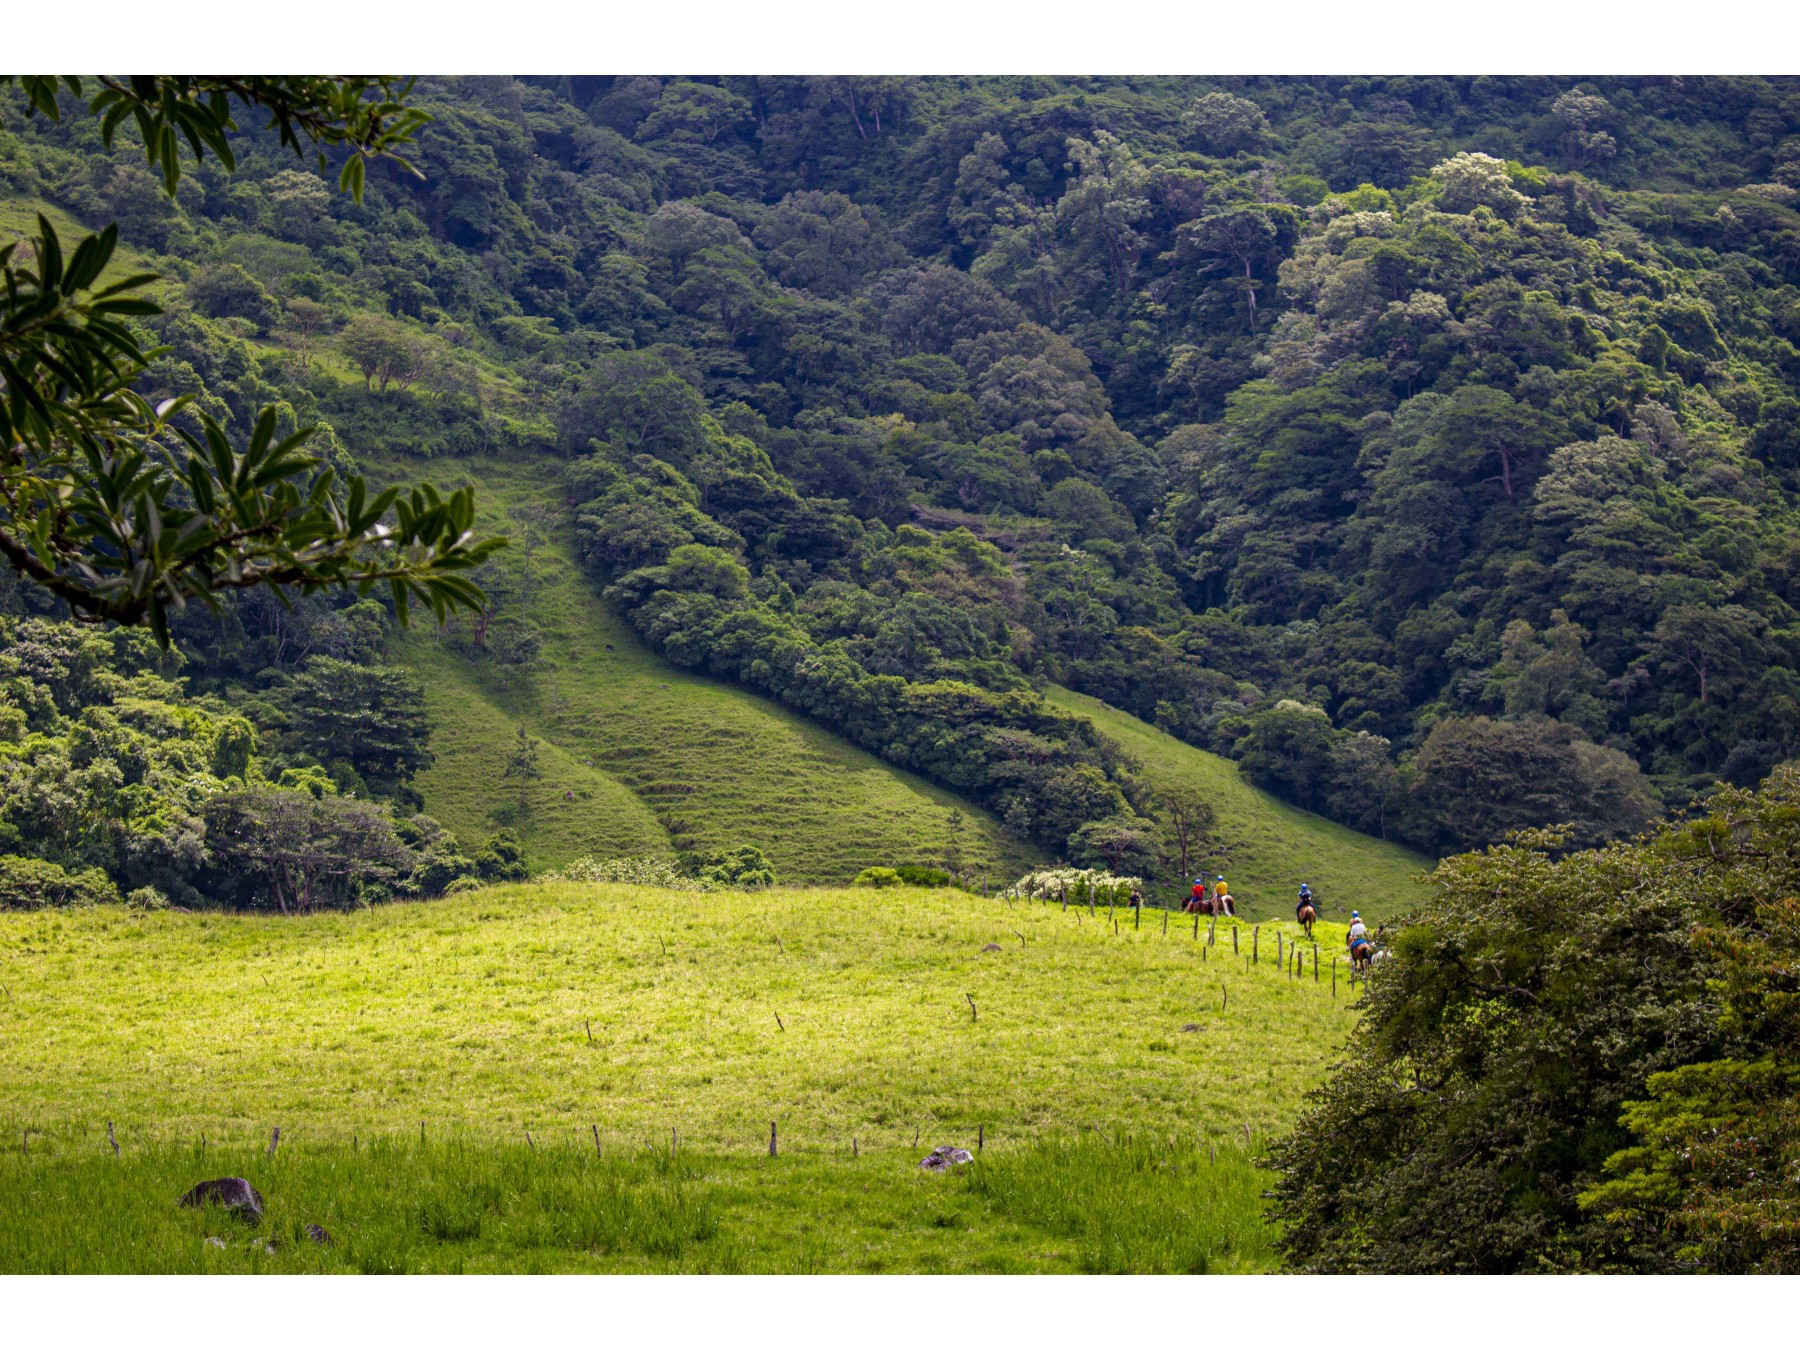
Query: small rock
pixel 318 1234
pixel 991 947
pixel 1190 1026
pixel 218 1242
pixel 569 796
pixel 943 1158
pixel 234 1193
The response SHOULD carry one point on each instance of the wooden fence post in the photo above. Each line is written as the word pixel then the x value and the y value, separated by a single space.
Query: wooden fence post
pixel 980 1137
pixel 1255 945
pixel 771 1139
pixel 1234 935
pixel 1315 963
pixel 112 1139
pixel 275 1141
pixel 1196 925
pixel 596 1129
pixel 1277 946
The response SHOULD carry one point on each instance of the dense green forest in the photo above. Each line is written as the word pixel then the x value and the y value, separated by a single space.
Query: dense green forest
pixel 1428 446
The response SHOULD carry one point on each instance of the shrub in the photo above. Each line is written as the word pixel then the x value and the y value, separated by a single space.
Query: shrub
pixel 907 874
pixel 634 871
pixel 147 897
pixel 1077 883
pixel 462 885
pixel 915 874
pixel 502 858
pixel 32 883
pixel 744 867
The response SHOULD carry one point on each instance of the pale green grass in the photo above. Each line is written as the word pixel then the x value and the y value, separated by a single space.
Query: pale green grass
pixel 393 1205
pixel 1269 846
pixel 710 764
pixel 407 1051
pixel 839 1014
pixel 18 221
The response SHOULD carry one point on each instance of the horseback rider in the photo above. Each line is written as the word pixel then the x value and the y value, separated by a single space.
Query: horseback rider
pixel 1305 902
pixel 1358 936
pixel 1197 897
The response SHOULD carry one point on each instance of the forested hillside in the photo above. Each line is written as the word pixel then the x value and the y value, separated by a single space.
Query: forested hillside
pixel 1428 446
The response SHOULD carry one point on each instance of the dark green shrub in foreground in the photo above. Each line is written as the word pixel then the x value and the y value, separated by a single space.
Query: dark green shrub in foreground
pixel 1577 1063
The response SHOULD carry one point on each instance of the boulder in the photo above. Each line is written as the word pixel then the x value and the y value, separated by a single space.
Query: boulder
pixel 318 1234
pixel 232 1193
pixel 943 1158
pixel 1190 1026
pixel 991 947
pixel 218 1242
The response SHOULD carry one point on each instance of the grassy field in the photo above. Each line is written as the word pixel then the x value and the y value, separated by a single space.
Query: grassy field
pixel 842 1015
pixel 1270 847
pixel 393 1206
pixel 652 754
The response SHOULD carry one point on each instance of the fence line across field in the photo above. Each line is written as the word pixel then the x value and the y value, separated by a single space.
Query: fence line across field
pixel 780 1142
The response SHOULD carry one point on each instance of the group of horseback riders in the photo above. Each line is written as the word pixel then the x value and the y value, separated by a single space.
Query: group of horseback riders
pixel 1216 900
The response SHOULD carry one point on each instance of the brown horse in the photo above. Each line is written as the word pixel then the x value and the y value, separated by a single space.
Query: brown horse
pixel 1362 952
pixel 1308 916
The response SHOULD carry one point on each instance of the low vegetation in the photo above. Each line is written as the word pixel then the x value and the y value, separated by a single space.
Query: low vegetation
pixel 393 1205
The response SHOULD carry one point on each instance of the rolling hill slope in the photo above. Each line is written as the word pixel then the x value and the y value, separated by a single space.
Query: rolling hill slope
pixel 1270 847
pixel 640 755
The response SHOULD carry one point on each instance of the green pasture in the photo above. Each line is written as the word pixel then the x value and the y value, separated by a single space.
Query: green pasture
pixel 1104 1060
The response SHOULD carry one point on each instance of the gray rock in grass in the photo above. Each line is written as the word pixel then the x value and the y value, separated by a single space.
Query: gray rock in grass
pixel 232 1193
pixel 318 1234
pixel 943 1158
pixel 218 1242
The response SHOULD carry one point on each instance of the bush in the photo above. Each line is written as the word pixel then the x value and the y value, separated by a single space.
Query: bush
pixel 147 897
pixel 635 871
pixel 744 867
pixel 502 858
pixel 462 885
pixel 907 874
pixel 1077 883
pixel 32 883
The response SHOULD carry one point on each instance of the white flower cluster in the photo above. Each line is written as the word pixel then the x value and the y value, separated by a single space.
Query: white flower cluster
pixel 1078 884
